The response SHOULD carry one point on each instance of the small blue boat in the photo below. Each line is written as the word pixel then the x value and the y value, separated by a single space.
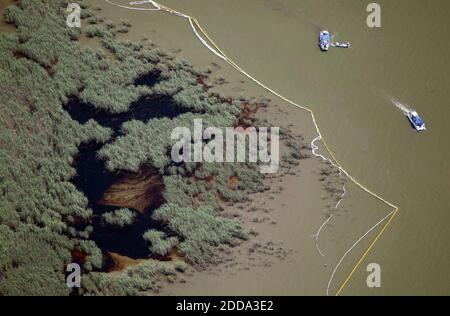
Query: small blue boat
pixel 324 40
pixel 416 121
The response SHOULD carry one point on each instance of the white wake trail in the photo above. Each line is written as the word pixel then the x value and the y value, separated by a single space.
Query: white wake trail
pixel 401 106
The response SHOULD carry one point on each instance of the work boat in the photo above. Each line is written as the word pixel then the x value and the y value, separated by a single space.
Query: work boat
pixel 342 45
pixel 324 40
pixel 416 121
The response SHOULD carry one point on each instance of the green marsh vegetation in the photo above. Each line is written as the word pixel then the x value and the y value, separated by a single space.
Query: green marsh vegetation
pixel 46 222
pixel 120 218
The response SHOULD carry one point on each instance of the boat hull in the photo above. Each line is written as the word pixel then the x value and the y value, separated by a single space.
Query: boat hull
pixel 417 127
pixel 324 47
pixel 324 40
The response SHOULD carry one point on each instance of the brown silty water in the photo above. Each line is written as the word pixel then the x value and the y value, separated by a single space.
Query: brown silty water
pixel 350 90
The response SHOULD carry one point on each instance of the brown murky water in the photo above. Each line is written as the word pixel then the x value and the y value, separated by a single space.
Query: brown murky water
pixel 349 90
pixel 5 27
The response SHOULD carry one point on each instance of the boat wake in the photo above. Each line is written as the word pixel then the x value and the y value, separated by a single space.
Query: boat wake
pixel 401 106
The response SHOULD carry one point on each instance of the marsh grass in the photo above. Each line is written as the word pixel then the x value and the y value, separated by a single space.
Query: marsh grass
pixel 43 216
pixel 120 218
